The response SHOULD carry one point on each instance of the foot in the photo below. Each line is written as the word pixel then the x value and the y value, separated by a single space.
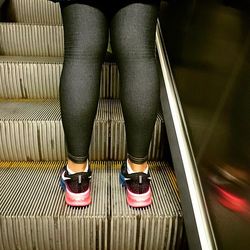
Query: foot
pixel 76 187
pixel 137 185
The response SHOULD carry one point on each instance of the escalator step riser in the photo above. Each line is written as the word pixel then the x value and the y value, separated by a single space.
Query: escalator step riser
pixel 31 40
pixel 108 223
pixel 34 11
pixel 42 223
pixel 33 131
pixel 19 39
pixel 41 80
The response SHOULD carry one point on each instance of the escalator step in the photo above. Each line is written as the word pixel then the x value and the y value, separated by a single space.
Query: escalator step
pixel 39 77
pixel 34 11
pixel 32 130
pixel 31 40
pixel 154 224
pixel 45 222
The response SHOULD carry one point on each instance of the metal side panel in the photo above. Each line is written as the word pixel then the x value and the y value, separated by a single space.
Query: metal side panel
pixel 44 221
pixel 118 136
pixel 158 226
pixel 31 40
pixel 34 11
pixel 32 130
pixel 39 78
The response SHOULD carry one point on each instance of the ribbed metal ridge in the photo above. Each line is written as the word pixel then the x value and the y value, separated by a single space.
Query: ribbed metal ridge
pixel 34 11
pixel 118 136
pixel 32 130
pixel 158 226
pixel 31 40
pixel 33 213
pixel 36 77
pixel 114 81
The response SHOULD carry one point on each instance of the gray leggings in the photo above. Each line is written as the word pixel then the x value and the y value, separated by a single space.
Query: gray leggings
pixel 132 32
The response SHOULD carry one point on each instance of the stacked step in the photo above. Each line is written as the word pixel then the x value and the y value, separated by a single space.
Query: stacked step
pixel 32 150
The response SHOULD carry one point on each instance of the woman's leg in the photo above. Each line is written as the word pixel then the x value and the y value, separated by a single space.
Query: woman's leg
pixel 85 41
pixel 133 42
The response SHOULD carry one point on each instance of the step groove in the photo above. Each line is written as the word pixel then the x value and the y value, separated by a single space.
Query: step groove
pixel 31 40
pixel 35 77
pixel 32 130
pixel 34 11
pixel 45 222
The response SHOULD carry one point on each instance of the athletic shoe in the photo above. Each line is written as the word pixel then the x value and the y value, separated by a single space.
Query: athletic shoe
pixel 137 186
pixel 76 187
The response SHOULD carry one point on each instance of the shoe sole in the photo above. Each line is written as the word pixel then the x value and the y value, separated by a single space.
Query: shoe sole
pixel 76 199
pixel 139 200
pixel 136 200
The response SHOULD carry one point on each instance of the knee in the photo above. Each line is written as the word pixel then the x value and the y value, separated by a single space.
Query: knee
pixel 80 48
pixel 130 50
pixel 86 52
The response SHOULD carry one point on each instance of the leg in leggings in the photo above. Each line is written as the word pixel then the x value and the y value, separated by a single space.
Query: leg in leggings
pixel 85 41
pixel 133 42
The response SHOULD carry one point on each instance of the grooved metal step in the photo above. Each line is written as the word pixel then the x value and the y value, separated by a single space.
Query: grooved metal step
pixel 31 40
pixel 34 11
pixel 45 222
pixel 156 227
pixel 34 214
pixel 32 130
pixel 36 77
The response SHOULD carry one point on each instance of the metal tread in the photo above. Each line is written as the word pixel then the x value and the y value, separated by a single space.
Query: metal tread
pixel 34 11
pixel 108 223
pixel 30 59
pixel 32 130
pixel 21 39
pixel 39 77
pixel 45 222
pixel 18 39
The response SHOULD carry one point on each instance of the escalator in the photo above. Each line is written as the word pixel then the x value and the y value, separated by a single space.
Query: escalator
pixel 33 214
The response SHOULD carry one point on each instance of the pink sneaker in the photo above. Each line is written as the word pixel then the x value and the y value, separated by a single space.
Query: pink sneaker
pixel 76 187
pixel 137 185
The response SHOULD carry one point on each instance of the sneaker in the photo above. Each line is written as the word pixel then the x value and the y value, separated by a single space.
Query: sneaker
pixel 76 187
pixel 137 186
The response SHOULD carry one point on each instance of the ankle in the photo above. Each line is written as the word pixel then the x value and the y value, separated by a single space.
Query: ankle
pixel 77 167
pixel 143 167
